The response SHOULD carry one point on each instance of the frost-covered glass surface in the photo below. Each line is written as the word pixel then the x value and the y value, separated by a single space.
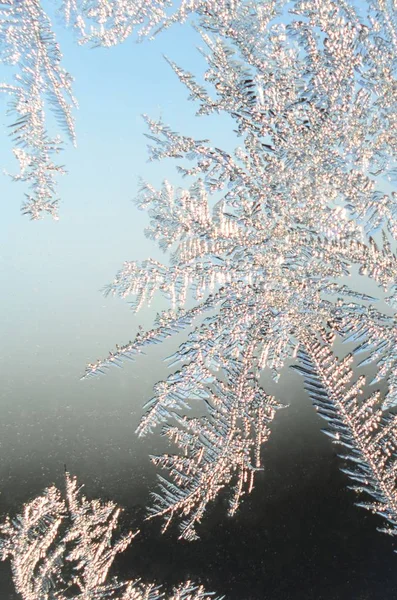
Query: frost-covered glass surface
pixel 275 249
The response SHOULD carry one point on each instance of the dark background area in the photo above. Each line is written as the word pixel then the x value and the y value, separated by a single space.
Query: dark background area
pixel 297 536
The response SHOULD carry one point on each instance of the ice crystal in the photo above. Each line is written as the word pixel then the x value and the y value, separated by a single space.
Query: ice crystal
pixel 367 435
pixel 63 547
pixel 27 40
pixel 60 544
pixel 274 239
pixel 218 449
pixel 104 23
pixel 28 43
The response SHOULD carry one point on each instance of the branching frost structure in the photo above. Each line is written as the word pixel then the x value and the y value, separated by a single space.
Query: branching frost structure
pixel 367 435
pixel 104 23
pixel 63 548
pixel 59 544
pixel 273 240
pixel 28 43
pixel 218 449
pixel 27 40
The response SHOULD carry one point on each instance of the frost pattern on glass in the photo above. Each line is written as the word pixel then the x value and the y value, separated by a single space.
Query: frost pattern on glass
pixel 62 546
pixel 268 237
pixel 27 41
pixel 216 450
pixel 28 44
pixel 104 23
pixel 366 433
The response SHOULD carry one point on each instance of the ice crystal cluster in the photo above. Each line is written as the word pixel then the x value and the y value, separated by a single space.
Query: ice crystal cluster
pixel 268 248
pixel 27 41
pixel 62 546
pixel 36 80
pixel 274 243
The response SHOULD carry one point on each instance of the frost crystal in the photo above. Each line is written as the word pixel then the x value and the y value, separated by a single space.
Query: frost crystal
pixel 63 548
pixel 368 437
pixel 105 23
pixel 276 240
pixel 28 42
